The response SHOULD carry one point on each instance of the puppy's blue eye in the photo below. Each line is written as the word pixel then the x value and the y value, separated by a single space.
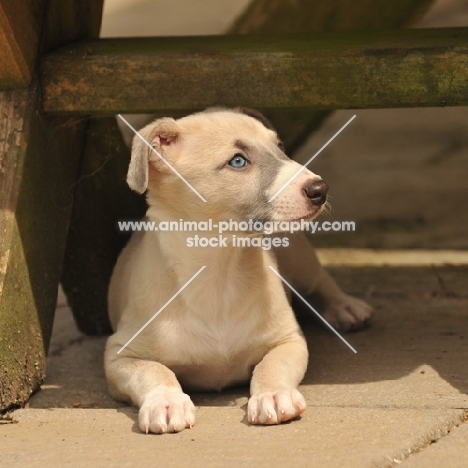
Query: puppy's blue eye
pixel 238 161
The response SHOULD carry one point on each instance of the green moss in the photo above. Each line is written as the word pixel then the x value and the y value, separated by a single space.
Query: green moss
pixel 36 220
pixel 360 69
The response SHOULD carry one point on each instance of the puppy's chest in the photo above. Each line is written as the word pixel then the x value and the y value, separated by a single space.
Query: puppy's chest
pixel 217 318
pixel 200 341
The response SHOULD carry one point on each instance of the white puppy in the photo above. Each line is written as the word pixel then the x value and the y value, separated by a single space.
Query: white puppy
pixel 233 323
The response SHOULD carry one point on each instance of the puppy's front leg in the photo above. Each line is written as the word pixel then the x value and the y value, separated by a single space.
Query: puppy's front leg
pixel 274 395
pixel 151 386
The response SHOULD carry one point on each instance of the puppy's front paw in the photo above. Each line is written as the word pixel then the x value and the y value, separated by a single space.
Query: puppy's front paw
pixel 275 407
pixel 348 313
pixel 166 410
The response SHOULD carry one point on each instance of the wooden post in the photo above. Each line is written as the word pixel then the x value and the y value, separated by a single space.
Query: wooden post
pixel 39 161
pixel 101 194
pixel 38 166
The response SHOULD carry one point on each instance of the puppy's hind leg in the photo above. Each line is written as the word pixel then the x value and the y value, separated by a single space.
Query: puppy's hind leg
pixel 274 395
pixel 151 386
pixel 301 267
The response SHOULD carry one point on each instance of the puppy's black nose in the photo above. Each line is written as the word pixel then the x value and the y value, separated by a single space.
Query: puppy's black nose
pixel 316 192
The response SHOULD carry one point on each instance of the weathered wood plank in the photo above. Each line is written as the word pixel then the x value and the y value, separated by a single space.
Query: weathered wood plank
pixel 20 30
pixel 92 242
pixel 36 183
pixel 70 20
pixel 364 69
pixel 39 161
pixel 273 16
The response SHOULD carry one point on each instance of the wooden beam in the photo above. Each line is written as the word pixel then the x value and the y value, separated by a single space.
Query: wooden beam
pixel 93 243
pixel 364 69
pixel 36 197
pixel 20 30
pixel 39 162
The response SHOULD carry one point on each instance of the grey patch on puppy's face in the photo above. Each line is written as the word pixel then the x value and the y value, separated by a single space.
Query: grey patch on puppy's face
pixel 285 180
pixel 268 158
pixel 269 161
pixel 268 168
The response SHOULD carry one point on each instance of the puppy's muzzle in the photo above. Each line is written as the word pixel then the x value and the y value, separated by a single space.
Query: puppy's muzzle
pixel 316 192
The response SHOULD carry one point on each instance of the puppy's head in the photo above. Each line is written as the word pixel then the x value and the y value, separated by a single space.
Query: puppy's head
pixel 233 158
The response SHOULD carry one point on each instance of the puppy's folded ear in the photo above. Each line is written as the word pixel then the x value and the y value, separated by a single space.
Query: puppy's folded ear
pixel 145 148
pixel 256 115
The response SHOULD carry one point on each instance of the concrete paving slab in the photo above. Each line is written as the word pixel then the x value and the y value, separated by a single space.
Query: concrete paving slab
pixel 405 388
pixel 344 437
pixel 391 257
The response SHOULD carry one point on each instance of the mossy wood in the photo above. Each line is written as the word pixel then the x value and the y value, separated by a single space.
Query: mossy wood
pixel 38 166
pixel 39 161
pixel 364 69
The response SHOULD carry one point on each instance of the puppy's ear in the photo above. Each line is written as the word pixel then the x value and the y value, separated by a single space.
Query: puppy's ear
pixel 157 135
pixel 257 115
pixel 262 119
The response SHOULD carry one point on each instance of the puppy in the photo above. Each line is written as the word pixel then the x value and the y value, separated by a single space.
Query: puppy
pixel 233 322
